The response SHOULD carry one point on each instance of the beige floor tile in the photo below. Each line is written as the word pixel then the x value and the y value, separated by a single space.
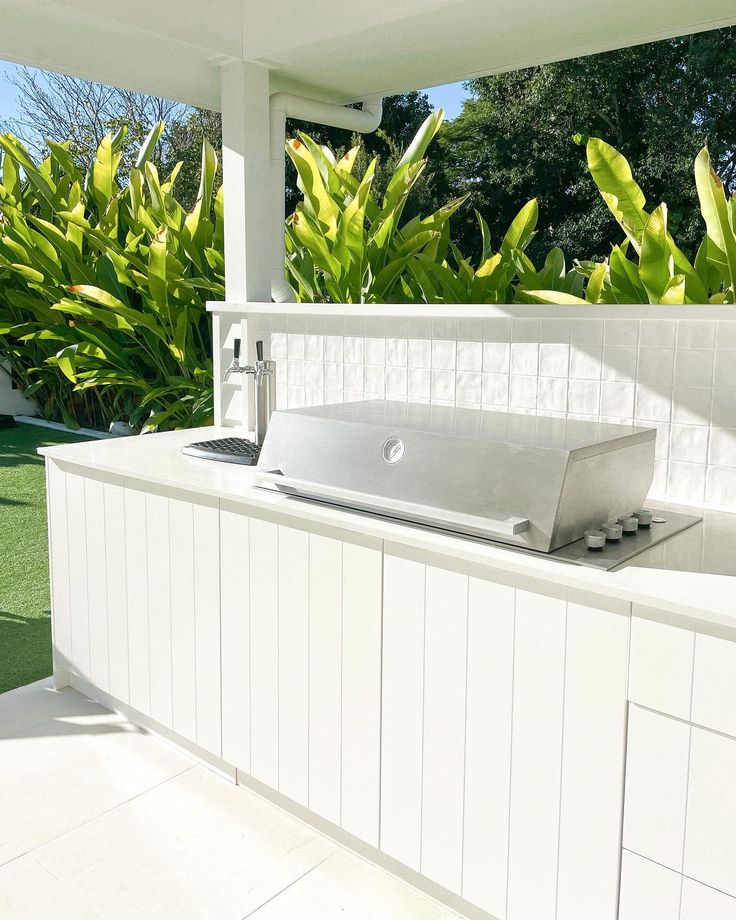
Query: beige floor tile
pixel 345 887
pixel 30 892
pixel 63 771
pixel 195 848
pixel 22 708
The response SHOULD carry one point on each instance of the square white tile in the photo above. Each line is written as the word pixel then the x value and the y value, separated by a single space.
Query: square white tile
pixel 524 358
pixel 420 353
pixel 693 367
pixel 554 359
pixel 496 357
pixel 470 356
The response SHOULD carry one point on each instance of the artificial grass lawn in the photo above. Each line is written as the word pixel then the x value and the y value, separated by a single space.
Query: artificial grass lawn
pixel 25 619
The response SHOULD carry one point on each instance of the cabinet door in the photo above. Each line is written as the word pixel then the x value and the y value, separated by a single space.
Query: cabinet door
pixel 503 734
pixel 656 786
pixel 649 891
pixel 302 666
pixel 710 837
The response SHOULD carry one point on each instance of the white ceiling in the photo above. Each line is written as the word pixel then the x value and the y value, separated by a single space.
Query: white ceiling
pixel 340 51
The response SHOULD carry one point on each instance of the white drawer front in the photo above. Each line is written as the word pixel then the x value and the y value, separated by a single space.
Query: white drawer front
pixel 702 903
pixel 656 786
pixel 714 685
pixel 648 890
pixel 710 837
pixel 661 666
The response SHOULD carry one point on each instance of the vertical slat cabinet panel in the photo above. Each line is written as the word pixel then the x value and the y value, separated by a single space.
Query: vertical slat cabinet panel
pixel 293 664
pixel 536 759
pixel 445 675
pixel 488 744
pixel 361 689
pixel 207 626
pixel 117 612
pixel 235 619
pixel 656 799
pixel 136 560
pixel 59 565
pixel 593 748
pixel 402 709
pixel 264 651
pixel 710 838
pixel 649 891
pixel 94 504
pixel 159 607
pixel 325 677
pixel 183 648
pixel 78 599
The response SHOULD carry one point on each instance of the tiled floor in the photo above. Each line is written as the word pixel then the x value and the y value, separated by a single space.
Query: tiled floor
pixel 101 820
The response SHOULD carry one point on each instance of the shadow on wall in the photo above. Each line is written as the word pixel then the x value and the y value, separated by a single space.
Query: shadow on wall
pixel 25 649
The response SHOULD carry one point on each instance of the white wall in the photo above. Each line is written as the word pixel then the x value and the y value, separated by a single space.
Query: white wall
pixel 12 402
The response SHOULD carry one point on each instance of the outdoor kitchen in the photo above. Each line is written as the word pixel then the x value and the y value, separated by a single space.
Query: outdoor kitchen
pixel 480 645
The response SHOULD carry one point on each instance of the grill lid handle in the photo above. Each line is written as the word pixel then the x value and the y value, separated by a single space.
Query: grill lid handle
pixel 403 510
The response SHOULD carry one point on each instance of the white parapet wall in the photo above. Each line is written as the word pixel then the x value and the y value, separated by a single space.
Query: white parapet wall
pixel 12 400
pixel 673 368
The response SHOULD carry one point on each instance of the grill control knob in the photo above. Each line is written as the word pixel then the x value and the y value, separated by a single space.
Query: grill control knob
pixel 613 532
pixel 630 525
pixel 644 517
pixel 595 540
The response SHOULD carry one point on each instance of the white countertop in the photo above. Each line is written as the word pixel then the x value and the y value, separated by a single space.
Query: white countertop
pixel 692 574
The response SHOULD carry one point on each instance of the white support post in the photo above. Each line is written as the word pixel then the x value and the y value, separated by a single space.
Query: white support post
pixel 244 89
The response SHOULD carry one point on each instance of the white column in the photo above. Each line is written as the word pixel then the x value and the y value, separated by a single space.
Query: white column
pixel 244 93
pixel 246 176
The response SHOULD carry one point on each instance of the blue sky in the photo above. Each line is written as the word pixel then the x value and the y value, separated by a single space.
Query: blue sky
pixel 449 97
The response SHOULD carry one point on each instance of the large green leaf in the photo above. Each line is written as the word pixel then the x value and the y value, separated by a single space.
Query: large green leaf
pixel 715 213
pixel 612 174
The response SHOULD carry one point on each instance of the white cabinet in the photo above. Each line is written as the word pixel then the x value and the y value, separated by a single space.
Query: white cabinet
pixel 536 758
pixel 649 891
pixel 702 903
pixel 710 842
pixel 656 787
pixel 592 760
pixel 136 597
pixel 301 664
pixel 503 740
pixel 714 684
pixel 661 666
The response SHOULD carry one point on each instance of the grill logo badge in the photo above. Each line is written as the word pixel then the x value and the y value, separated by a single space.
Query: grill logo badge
pixel 393 450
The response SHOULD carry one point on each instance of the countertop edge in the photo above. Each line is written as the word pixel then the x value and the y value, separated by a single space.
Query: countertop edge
pixel 610 585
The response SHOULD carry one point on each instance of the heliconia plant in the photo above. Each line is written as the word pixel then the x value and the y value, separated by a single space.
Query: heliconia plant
pixel 104 281
pixel 648 266
pixel 345 246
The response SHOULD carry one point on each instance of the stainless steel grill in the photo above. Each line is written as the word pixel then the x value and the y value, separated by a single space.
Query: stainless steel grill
pixel 533 482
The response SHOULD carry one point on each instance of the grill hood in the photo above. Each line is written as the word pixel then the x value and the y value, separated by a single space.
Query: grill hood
pixel 526 480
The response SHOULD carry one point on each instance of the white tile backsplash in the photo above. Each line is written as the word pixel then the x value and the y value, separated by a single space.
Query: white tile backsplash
pixel 677 376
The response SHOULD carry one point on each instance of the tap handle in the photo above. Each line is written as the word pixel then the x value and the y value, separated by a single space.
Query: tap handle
pixel 236 350
pixel 259 350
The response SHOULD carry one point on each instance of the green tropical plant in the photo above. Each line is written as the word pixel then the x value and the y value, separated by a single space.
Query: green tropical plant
pixel 345 246
pixel 649 267
pixel 104 281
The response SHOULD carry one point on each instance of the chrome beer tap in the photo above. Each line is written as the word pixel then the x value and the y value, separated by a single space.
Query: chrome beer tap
pixel 264 378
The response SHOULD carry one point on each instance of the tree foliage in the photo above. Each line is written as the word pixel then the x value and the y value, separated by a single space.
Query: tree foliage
pixel 659 103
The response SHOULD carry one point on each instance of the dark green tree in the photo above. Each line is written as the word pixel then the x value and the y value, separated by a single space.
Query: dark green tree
pixel 657 103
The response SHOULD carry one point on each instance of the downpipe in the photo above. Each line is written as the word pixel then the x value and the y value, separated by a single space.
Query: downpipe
pixel 283 106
